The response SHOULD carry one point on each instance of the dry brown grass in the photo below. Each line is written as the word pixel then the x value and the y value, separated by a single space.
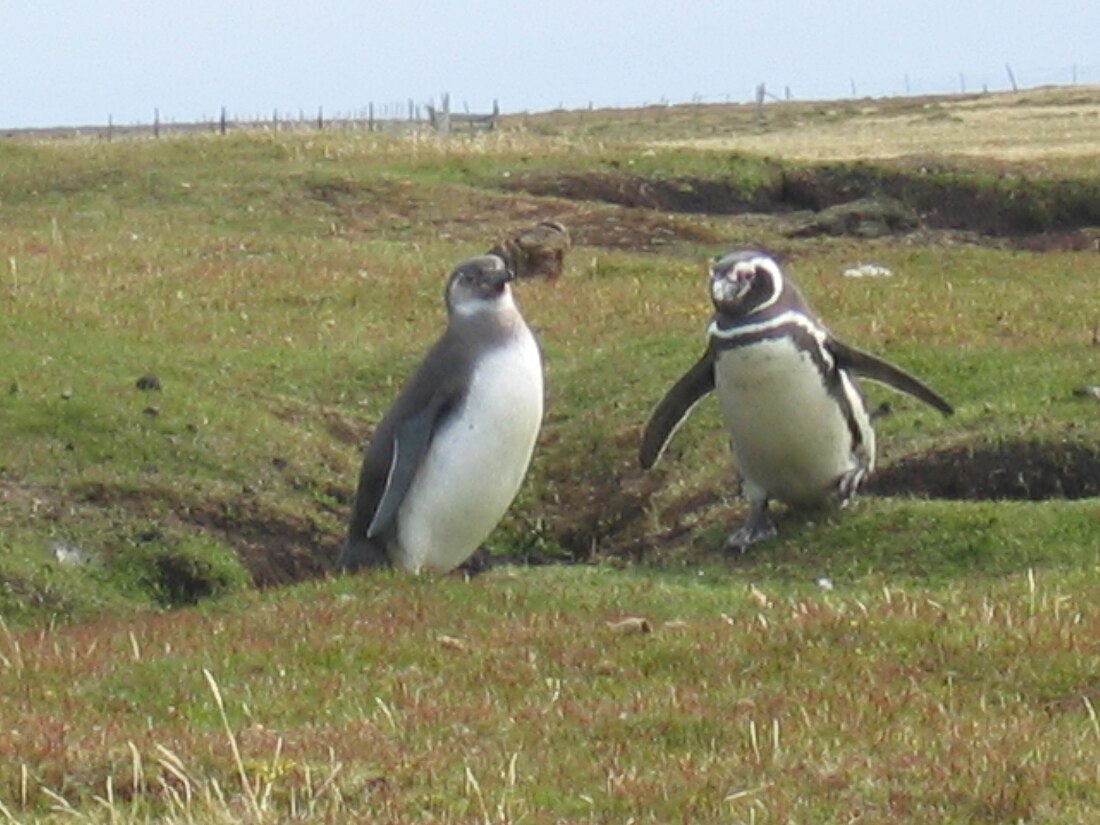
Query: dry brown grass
pixel 1041 124
pixel 990 128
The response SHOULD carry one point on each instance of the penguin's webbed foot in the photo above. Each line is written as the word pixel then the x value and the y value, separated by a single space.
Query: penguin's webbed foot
pixel 481 561
pixel 848 485
pixel 757 528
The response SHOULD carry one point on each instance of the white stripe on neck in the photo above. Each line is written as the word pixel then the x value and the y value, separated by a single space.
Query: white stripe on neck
pixel 816 331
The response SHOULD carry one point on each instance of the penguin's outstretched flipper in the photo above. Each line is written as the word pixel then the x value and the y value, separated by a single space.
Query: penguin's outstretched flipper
pixel 873 368
pixel 674 407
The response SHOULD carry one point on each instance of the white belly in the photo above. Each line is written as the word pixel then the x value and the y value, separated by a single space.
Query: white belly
pixel 475 464
pixel 789 436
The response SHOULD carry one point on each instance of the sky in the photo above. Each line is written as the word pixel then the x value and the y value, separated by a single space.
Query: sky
pixel 82 62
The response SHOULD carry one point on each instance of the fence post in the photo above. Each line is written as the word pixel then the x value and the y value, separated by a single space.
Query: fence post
pixel 222 124
pixel 156 123
pixel 320 118
pixel 443 116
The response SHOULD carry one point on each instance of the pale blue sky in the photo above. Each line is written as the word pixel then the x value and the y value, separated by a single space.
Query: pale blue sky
pixel 76 62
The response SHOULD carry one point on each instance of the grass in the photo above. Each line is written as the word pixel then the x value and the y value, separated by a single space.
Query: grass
pixel 528 697
pixel 911 659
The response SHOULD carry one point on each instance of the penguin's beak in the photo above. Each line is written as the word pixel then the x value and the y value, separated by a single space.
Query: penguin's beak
pixel 724 286
pixel 729 284
pixel 501 277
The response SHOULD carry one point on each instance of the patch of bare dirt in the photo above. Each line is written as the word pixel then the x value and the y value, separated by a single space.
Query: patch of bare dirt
pixel 604 516
pixel 1018 470
pixel 465 213
pixel 601 515
pixel 275 547
pixel 23 494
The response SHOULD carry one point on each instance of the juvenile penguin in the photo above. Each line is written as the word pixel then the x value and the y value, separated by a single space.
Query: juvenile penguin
pixel 788 391
pixel 448 458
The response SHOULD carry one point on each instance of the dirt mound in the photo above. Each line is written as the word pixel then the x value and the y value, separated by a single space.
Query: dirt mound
pixel 1029 213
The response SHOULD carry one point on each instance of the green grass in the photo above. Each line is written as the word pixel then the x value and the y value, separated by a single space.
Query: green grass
pixel 910 659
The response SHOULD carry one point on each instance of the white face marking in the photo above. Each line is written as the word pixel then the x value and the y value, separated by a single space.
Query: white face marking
pixel 470 307
pixel 733 284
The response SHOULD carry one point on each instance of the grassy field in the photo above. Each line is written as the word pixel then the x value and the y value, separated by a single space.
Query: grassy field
pixel 199 334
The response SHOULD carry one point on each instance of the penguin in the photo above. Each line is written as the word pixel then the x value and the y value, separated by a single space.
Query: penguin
pixel 788 390
pixel 449 456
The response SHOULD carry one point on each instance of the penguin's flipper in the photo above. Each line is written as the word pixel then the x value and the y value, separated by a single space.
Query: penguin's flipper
pixel 410 442
pixel 674 407
pixel 874 368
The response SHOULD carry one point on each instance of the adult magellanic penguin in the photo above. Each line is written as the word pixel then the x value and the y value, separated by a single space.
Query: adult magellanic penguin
pixel 788 391
pixel 448 458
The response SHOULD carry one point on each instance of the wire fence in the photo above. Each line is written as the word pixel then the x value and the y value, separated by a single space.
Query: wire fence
pixel 403 116
pixel 408 115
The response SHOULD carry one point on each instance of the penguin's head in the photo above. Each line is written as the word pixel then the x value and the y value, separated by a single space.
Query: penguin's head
pixel 479 285
pixel 745 282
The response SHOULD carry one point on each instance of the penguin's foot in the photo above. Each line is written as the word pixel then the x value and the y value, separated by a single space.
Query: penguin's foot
pixel 757 528
pixel 848 485
pixel 362 554
pixel 480 562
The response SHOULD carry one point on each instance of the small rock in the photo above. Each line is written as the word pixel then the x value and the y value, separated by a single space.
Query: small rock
pixel 151 411
pixel 148 382
pixel 631 624
pixel 1088 391
pixel 868 271
pixel 759 596
pixel 605 667
pixel 453 643
pixel 69 555
pixel 66 394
